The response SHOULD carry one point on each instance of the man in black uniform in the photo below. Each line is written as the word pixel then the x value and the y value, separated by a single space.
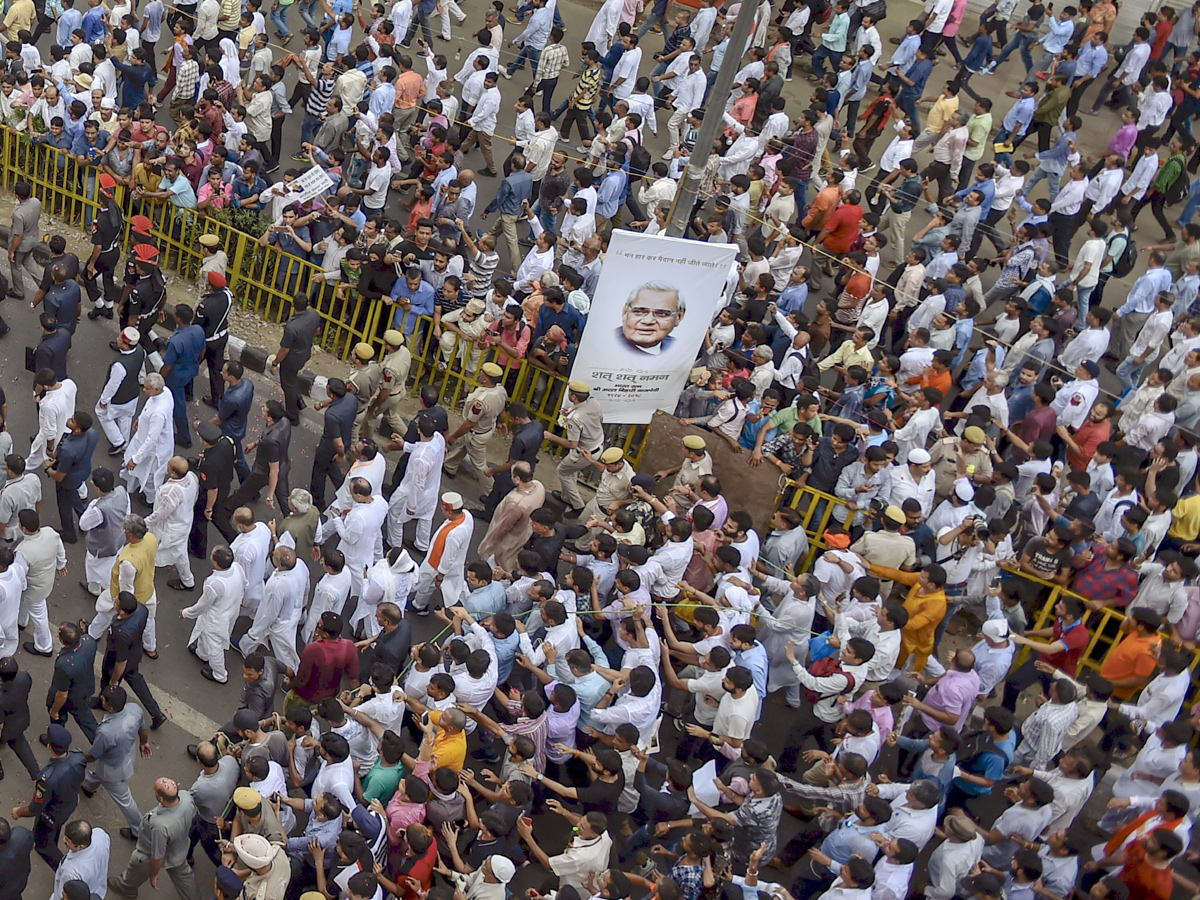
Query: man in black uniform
pixel 16 854
pixel 429 410
pixel 271 464
pixel 59 256
pixel 215 471
pixel 295 349
pixel 213 316
pixel 74 681
pixel 51 351
pixel 146 300
pixel 139 233
pixel 341 407
pixel 106 252
pixel 15 686
pixel 123 655
pixel 527 437
pixel 55 793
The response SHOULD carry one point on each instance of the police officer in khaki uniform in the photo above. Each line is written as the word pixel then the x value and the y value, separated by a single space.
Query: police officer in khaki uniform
pixel 583 423
pixel 481 410
pixel 614 490
pixel 395 366
pixel 364 381
pixel 695 465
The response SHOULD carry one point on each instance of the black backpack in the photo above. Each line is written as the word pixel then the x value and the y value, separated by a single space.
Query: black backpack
pixel 1177 190
pixel 639 159
pixel 1124 263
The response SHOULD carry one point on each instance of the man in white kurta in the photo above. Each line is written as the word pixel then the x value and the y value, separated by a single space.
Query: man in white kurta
pixel 22 490
pixel 604 25
pixel 44 555
pixel 359 528
pixel 56 404
pixel 391 580
pixel 416 497
pixel 215 613
pixel 278 615
pixel 791 621
pixel 97 566
pixel 368 463
pixel 250 549
pixel 153 440
pixel 12 586
pixel 171 522
pixel 444 566
pixel 330 594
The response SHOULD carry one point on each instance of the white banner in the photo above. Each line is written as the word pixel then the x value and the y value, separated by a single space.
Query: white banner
pixel 655 300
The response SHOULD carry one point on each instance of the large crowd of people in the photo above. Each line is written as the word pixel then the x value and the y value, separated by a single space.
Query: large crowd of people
pixel 974 601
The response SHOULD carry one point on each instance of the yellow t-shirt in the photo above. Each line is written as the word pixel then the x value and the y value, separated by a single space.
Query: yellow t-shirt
pixel 1186 516
pixel 450 750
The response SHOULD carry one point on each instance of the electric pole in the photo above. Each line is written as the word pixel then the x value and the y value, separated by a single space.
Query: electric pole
pixel 711 127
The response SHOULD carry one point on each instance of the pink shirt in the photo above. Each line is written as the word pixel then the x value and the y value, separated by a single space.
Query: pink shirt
pixel 955 692
pixel 884 719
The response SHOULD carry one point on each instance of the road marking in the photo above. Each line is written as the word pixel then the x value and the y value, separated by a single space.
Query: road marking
pixel 178 713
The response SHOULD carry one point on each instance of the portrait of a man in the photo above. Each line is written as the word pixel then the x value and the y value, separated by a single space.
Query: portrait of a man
pixel 649 316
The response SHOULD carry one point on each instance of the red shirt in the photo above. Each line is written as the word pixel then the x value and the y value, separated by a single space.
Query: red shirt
pixel 1076 640
pixel 1089 436
pixel 1145 881
pixel 843 228
pixel 1038 425
pixel 1162 31
pixel 322 666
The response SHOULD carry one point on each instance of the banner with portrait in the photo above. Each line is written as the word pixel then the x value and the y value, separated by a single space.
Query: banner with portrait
pixel 654 302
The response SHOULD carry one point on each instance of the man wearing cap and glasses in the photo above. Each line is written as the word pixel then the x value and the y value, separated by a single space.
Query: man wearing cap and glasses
pixel 395 364
pixel 583 421
pixel 215 260
pixel 213 316
pixel 481 410
pixel 107 229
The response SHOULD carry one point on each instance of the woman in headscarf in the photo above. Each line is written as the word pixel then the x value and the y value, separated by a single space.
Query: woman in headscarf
pixel 230 61
pixel 391 580
pixel 511 527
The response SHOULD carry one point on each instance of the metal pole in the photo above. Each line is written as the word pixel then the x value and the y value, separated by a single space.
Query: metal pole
pixel 710 128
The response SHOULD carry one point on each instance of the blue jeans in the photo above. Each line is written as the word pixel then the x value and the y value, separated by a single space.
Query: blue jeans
pixel 908 106
pixel 279 15
pixel 182 432
pixel 545 216
pixel 1018 42
pixel 1053 182
pixel 528 52
pixel 1083 298
pixel 308 9
pixel 1005 159
pixel 309 127
pixel 1193 203
pixel 1129 373
pixel 523 9
pixel 659 69
pixel 658 16
pixel 819 56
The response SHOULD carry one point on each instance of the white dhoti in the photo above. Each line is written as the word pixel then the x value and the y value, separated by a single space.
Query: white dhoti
pixel 98 571
pixel 282 638
pixel 399 515
pixel 10 636
pixel 146 477
pixel 116 420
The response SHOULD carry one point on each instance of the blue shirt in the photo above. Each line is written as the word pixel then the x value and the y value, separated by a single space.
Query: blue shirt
pixel 242 190
pixel 980 53
pixel 793 298
pixel 486 601
pixel 75 457
pixel 859 79
pixel 422 304
pixel 62 301
pixel 516 187
pixel 1059 36
pixel 184 350
pixel 569 319
pixel 68 21
pixel 81 146
pixel 1017 119
pixel 988 189
pixel 1091 61
pixel 918 73
pixel 1020 402
pixel 506 654
pixel 847 840
pixel 383 98
pixel 977 371
pixel 963 329
pixel 234 409
pixel 906 54
pixel 755 659
pixel 288 244
pixel 612 193
pixel 92 25
pixel 1145 289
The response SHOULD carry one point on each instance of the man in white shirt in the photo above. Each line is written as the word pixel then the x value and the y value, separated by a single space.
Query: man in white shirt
pixel 483 123
pixel 688 94
pixel 1086 272
pixel 1090 343
pixel 1073 401
pixel 1149 342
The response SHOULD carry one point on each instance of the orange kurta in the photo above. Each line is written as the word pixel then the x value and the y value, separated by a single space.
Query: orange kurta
pixel 925 613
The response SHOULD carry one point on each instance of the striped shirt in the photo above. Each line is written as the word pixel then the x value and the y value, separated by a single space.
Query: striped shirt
pixel 554 59
pixel 585 91
pixel 318 97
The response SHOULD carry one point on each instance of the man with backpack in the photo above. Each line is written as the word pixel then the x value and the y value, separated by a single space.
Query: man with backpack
pixel 823 683
pixel 1120 254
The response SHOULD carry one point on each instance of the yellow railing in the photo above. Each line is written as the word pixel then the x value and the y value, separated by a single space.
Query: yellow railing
pixel 264 280
pixel 816 509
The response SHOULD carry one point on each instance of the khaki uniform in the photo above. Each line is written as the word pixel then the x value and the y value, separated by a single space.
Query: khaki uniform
pixel 944 456
pixel 689 475
pixel 583 423
pixel 395 378
pixel 364 382
pixel 613 487
pixel 482 409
